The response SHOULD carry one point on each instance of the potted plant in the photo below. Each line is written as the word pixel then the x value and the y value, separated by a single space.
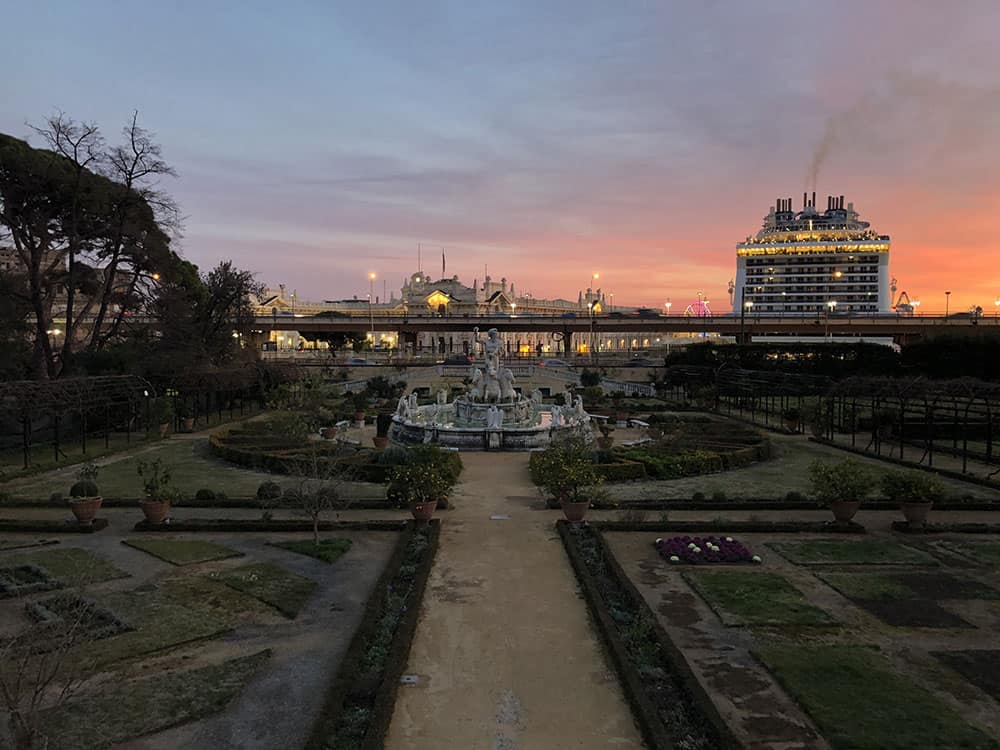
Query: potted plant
pixel 157 491
pixel 360 401
pixel 843 484
pixel 162 414
pixel 792 417
pixel 84 497
pixel 186 415
pixel 606 440
pixel 571 476
pixel 915 491
pixel 383 420
pixel 421 485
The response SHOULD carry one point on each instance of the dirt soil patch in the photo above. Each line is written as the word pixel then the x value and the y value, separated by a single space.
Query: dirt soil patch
pixel 912 613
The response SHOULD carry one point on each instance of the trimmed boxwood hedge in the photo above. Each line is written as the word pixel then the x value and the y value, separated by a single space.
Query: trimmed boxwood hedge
pixel 361 697
pixel 262 456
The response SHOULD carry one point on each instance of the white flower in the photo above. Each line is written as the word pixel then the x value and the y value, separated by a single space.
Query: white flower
pixel 696 549
pixel 659 539
pixel 691 545
pixel 756 558
pixel 729 539
pixel 674 558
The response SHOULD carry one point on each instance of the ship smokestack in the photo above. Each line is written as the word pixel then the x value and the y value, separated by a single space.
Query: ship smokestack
pixel 841 201
pixel 813 204
pixel 805 201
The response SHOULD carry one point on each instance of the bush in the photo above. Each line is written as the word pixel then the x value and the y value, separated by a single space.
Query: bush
pixel 593 394
pixel 621 471
pixel 698 497
pixel 566 469
pixel 675 466
pixel 590 378
pixel 902 486
pixel 847 479
pixel 719 496
pixel 204 495
pixel 794 497
pixel 86 481
pixel 268 491
pixel 56 497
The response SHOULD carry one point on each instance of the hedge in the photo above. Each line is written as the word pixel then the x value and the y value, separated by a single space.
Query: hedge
pixel 674 466
pixel 621 471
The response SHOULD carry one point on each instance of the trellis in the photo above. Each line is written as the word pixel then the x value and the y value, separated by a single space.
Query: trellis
pixel 89 399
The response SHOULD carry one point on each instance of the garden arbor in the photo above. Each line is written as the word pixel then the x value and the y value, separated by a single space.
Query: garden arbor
pixel 60 410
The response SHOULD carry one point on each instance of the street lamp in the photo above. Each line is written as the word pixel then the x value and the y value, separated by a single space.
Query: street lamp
pixel 613 302
pixel 947 299
pixel 996 307
pixel 830 307
pixel 371 311
pixel 747 305
pixel 668 304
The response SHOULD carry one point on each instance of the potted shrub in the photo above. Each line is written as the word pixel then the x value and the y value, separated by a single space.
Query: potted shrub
pixel 360 401
pixel 421 485
pixel 843 484
pixel 157 491
pixel 915 491
pixel 792 417
pixel 162 414
pixel 606 440
pixel 571 476
pixel 383 421
pixel 84 497
pixel 186 415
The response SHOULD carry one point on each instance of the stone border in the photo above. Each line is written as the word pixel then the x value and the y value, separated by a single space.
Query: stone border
pixel 280 526
pixel 350 683
pixel 774 504
pixel 229 502
pixel 903 527
pixel 739 527
pixel 645 711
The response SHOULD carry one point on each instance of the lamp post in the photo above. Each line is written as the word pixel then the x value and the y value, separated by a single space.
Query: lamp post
pixel 590 308
pixel 996 307
pixel 613 302
pixel 915 304
pixel 947 299
pixel 668 304
pixel 830 307
pixel 371 310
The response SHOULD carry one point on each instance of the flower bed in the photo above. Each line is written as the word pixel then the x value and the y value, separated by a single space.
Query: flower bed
pixel 700 550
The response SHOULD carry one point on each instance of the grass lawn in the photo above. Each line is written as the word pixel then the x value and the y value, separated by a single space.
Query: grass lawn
pixel 755 599
pixel 328 550
pixel 859 703
pixel 847 552
pixel 148 705
pixel 892 586
pixel 43 457
pixel 271 584
pixel 984 552
pixel 787 472
pixel 183 552
pixel 192 468
pixel 72 565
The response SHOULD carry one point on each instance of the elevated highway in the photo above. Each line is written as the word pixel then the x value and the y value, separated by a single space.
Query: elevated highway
pixel 901 329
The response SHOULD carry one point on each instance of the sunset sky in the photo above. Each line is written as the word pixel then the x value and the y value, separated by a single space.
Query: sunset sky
pixel 318 141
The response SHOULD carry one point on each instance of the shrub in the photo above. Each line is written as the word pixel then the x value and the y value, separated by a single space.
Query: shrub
pixel 621 471
pixel 268 491
pixel 566 469
pixel 698 497
pixel 718 496
pixel 155 479
pixel 593 394
pixel 86 482
pixel 840 480
pixel 792 414
pixel 903 486
pixel 794 497
pixel 590 378
pixel 418 482
pixel 204 495
pixel 56 497
pixel 161 411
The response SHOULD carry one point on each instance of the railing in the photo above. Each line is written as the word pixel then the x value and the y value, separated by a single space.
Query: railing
pixel 627 388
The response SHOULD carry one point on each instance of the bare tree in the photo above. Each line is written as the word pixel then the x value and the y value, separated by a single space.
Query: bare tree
pixel 321 485
pixel 39 670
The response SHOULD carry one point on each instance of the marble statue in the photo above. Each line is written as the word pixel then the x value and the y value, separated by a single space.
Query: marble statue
pixel 494 418
pixel 557 416
pixel 403 408
pixel 536 398
pixel 442 397
pixel 476 390
pixel 491 389
pixel 413 403
pixel 578 407
pixel 492 347
pixel 507 392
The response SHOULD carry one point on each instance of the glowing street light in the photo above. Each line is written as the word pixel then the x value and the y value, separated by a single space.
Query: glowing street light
pixel 996 307
pixel 668 304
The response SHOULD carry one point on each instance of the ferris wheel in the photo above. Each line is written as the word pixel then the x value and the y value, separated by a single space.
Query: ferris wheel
pixel 699 308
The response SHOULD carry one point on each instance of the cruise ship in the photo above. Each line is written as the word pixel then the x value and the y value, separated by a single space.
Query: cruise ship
pixel 812 263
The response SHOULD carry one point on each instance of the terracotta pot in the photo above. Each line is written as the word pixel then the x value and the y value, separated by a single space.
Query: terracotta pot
pixel 381 441
pixel 605 443
pixel 916 513
pixel 189 424
pixel 423 511
pixel 164 429
pixel 156 511
pixel 575 512
pixel 359 416
pixel 85 508
pixel 328 433
pixel 844 510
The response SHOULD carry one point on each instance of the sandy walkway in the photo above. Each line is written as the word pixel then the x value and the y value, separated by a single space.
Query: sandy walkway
pixel 505 653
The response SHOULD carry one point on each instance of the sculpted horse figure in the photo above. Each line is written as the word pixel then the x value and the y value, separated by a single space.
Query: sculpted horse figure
pixel 491 392
pixel 476 389
pixel 507 392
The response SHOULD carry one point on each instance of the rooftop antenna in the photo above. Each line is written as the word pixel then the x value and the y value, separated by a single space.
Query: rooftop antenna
pixel 420 269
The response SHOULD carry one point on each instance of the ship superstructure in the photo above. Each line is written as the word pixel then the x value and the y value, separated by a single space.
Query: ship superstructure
pixel 808 263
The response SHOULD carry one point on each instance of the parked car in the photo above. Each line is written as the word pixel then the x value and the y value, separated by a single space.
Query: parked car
pixel 642 362
pixel 569 315
pixel 458 359
pixel 357 361
pixel 646 312
pixel 554 363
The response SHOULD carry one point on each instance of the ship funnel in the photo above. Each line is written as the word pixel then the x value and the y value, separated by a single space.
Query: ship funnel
pixel 841 201
pixel 805 201
pixel 813 204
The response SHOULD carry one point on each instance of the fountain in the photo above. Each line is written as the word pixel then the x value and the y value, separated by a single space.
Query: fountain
pixel 492 415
